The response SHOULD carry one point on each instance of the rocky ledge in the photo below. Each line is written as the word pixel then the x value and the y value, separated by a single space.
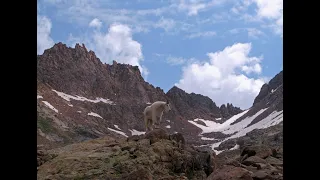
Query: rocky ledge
pixel 155 155
pixel 158 155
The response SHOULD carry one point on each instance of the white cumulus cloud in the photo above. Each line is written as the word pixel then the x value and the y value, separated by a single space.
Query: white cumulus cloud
pixel 223 77
pixel 271 10
pixel 267 12
pixel 95 23
pixel 44 41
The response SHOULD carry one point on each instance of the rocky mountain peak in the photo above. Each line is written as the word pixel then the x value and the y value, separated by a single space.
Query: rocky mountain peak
pixel 267 88
pixel 66 69
pixel 229 110
pixel 202 106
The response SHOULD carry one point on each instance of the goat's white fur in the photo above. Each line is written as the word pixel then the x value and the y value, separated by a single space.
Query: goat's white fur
pixel 153 112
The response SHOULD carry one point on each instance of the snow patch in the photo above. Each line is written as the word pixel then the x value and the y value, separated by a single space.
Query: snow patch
pixel 50 106
pixel 148 103
pixel 39 97
pixel 212 126
pixel 135 132
pixel 206 138
pixel 204 145
pixel 79 111
pixel 168 126
pixel 119 132
pixel 235 147
pixel 218 119
pixel 168 120
pixel 116 126
pixel 67 97
pixel 216 145
pixel 70 105
pixel 94 114
pixel 242 124
pixel 272 91
pixel 274 118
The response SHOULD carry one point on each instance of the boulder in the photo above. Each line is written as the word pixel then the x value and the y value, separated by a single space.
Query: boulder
pixel 156 135
pixel 230 173
pixel 261 151
pixel 274 161
pixel 252 160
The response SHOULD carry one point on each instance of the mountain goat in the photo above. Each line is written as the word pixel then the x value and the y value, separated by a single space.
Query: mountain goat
pixel 153 112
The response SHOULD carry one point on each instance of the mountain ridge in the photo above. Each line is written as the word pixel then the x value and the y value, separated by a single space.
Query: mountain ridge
pixel 107 99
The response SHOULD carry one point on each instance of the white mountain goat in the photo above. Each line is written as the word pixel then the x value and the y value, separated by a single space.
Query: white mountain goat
pixel 153 112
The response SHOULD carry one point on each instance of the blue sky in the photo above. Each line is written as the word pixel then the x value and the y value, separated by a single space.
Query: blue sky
pixel 224 49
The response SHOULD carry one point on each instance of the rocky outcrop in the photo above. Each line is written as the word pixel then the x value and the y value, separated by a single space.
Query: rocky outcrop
pixel 133 158
pixel 229 110
pixel 156 155
pixel 259 162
